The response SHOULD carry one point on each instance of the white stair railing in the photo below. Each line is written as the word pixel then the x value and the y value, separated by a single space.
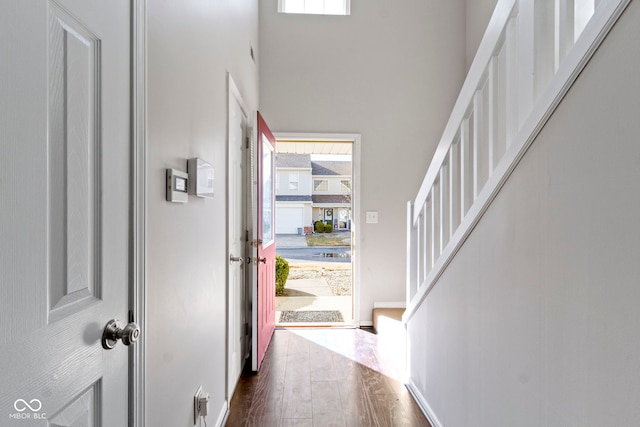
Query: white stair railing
pixel 529 57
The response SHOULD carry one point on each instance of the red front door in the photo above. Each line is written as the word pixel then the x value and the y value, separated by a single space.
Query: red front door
pixel 266 241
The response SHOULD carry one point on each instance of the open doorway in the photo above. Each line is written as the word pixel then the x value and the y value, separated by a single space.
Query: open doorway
pixel 316 224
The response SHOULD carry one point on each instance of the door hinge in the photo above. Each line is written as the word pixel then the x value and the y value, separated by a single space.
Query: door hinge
pixel 248 141
pixel 246 329
pixel 246 235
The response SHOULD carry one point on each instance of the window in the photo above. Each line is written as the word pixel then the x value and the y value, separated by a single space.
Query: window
pixel 315 7
pixel 320 185
pixel 294 179
pixel 346 185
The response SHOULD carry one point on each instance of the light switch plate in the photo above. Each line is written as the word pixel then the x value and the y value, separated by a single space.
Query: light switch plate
pixel 372 217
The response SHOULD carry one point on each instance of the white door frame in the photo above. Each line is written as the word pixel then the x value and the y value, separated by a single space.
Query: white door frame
pixel 234 94
pixel 138 297
pixel 356 140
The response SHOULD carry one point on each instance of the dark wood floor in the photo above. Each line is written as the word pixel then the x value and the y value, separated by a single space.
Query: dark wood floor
pixel 326 377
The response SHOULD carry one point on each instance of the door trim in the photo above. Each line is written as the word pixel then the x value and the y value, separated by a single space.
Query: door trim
pixel 138 297
pixel 234 93
pixel 356 140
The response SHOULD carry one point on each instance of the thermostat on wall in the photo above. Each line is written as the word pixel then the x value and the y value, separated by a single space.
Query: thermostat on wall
pixel 201 182
pixel 177 186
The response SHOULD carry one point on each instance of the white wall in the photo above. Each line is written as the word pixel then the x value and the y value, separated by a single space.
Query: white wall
pixel 536 320
pixel 391 71
pixel 191 46
pixel 478 15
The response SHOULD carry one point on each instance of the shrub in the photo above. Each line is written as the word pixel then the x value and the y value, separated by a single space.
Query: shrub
pixel 328 228
pixel 282 273
pixel 318 226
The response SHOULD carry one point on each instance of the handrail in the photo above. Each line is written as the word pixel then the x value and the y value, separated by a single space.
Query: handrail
pixel 496 26
pixel 529 57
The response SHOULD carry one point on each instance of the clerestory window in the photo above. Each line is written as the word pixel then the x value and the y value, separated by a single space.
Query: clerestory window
pixel 315 7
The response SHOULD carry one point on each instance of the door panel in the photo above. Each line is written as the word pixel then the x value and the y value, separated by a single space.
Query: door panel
pixel 74 185
pixel 65 218
pixel 266 240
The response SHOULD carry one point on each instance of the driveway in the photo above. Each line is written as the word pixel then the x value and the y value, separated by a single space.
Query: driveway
pixel 290 241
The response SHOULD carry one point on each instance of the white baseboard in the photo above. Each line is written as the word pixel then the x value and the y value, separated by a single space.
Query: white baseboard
pixel 222 417
pixel 390 304
pixel 422 403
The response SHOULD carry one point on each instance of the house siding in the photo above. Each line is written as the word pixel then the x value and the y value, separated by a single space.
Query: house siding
pixel 335 197
pixel 334 184
pixel 304 182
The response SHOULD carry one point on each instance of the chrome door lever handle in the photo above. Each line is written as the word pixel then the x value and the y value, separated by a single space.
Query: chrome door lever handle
pixel 236 259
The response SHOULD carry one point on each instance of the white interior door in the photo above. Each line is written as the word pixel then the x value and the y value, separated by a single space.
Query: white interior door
pixel 65 141
pixel 237 334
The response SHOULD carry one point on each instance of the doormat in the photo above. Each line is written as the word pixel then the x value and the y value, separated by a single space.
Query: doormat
pixel 311 316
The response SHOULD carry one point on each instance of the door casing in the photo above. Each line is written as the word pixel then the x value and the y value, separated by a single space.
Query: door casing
pixel 236 307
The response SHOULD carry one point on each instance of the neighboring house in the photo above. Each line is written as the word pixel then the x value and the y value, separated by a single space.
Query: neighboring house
pixel 332 193
pixel 293 192
pixel 309 191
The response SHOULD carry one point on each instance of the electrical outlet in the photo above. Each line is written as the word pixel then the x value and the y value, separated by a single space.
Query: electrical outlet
pixel 196 405
pixel 372 217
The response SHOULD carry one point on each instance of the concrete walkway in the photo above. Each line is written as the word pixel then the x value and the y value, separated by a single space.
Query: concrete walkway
pixel 313 295
pixel 309 294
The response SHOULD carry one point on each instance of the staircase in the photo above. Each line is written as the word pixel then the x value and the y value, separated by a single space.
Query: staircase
pixel 531 54
pixel 388 321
